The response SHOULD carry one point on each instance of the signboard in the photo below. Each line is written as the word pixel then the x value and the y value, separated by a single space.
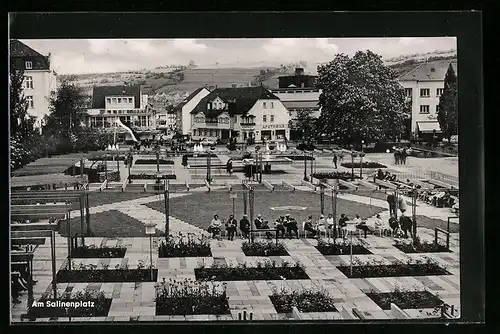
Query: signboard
pixel 233 196
pixel 275 126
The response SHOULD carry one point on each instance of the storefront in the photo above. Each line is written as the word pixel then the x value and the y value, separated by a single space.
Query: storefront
pixel 274 132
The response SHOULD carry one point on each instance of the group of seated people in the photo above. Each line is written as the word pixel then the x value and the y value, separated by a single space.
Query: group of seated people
pixel 380 175
pixel 440 199
pixel 284 225
pixel 328 225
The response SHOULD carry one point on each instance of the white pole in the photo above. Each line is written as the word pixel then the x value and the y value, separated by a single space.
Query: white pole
pixel 351 252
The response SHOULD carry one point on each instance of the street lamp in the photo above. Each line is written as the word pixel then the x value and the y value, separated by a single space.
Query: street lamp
pixel 353 154
pixel 361 155
pixel 305 167
pixel 157 151
pixel 150 230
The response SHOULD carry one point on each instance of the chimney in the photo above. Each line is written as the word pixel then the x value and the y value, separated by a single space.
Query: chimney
pixel 299 71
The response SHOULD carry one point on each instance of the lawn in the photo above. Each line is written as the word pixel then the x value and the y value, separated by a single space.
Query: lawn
pixel 198 209
pixel 108 224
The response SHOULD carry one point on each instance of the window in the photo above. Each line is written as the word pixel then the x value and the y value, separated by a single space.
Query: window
pixel 30 101
pixel 119 100
pixel 424 109
pixel 29 65
pixel 208 106
pixel 272 105
pixel 130 100
pixel 439 91
pixel 437 108
pixel 264 118
pixel 108 100
pixel 113 100
pixel 272 118
pixel 264 105
pixel 93 121
pixel 425 92
pixel 28 82
pixel 114 111
pixel 408 92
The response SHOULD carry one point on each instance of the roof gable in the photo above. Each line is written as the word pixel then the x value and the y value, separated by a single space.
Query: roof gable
pixel 190 97
pixel 100 93
pixel 240 100
pixel 20 53
pixel 430 71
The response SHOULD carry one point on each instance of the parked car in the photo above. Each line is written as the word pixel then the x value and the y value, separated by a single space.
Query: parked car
pixel 208 142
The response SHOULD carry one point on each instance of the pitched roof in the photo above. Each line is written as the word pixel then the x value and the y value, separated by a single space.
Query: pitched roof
pixel 430 71
pixel 20 53
pixel 301 104
pixel 100 93
pixel 240 100
pixel 189 98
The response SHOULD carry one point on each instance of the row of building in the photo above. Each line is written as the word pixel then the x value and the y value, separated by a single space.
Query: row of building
pixel 214 113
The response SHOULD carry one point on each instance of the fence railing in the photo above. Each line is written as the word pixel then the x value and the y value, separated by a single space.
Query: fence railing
pixel 426 175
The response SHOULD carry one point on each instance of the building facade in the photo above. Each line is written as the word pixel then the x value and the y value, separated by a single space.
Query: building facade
pixel 126 103
pixel 183 110
pixel 244 113
pixel 39 79
pixel 423 86
pixel 298 93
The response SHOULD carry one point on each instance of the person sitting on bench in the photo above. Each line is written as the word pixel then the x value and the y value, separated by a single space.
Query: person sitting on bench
pixel 291 226
pixel 308 226
pixel 278 225
pixel 343 223
pixel 245 226
pixel 360 224
pixel 258 222
pixel 215 226
pixel 265 226
pixel 231 227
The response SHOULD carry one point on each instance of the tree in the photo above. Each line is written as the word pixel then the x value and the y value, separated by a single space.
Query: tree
pixel 361 99
pixel 67 108
pixel 305 124
pixel 448 105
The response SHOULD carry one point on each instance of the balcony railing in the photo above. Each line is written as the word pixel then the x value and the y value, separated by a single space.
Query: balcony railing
pixel 247 124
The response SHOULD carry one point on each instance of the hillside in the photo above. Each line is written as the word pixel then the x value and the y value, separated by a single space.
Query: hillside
pixel 175 82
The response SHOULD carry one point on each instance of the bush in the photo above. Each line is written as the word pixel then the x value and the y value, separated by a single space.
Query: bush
pixel 98 252
pixel 264 248
pixel 299 157
pixel 335 175
pixel 406 299
pixel 190 297
pixel 306 300
pixel 184 246
pixel 306 146
pixel 107 158
pixel 368 164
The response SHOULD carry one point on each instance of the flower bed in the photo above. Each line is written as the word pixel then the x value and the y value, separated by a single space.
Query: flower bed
pixel 331 248
pixel 265 271
pixel 89 273
pixel 91 304
pixel 264 248
pixel 335 175
pixel 306 300
pixel 153 162
pixel 396 269
pixel 98 252
pixel 185 157
pixel 417 246
pixel 107 158
pixel 406 299
pixel 152 177
pixel 184 246
pixel 190 297
pixel 368 164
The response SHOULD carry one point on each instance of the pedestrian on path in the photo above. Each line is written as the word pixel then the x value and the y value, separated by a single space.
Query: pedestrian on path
pixel 391 200
pixel 335 160
pixel 229 166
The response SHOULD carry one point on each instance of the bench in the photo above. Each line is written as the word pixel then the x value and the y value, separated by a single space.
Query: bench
pixel 308 184
pixel 438 230
pixel 252 232
pixel 268 185
pixel 27 241
pixel 34 227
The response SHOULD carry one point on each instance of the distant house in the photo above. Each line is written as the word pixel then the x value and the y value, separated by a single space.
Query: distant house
pixel 39 79
pixel 243 113
pixel 298 92
pixel 127 103
pixel 183 110
pixel 423 86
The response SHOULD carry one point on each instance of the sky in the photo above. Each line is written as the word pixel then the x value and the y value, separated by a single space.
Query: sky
pixel 80 56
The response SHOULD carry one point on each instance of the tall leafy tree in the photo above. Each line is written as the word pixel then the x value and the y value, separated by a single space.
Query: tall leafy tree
pixel 305 124
pixel 361 99
pixel 448 105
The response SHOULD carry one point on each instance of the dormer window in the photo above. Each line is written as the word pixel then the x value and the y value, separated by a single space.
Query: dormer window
pixel 29 65
pixel 208 106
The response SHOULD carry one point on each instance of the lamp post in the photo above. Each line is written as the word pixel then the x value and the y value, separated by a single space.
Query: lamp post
pixel 157 151
pixel 150 230
pixel 312 161
pixel 167 209
pixel 353 154
pixel 305 167
pixel 361 155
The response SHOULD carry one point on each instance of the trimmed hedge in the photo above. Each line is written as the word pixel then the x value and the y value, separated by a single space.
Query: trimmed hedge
pixel 335 175
pixel 151 177
pixel 153 162
pixel 365 165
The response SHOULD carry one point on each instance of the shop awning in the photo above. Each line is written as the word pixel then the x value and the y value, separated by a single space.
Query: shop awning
pixel 428 127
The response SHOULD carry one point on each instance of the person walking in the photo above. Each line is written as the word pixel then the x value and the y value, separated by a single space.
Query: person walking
pixel 231 227
pixel 335 160
pixel 391 200
pixel 245 226
pixel 229 166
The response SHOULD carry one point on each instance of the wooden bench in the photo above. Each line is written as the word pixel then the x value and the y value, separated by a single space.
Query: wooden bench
pixel 27 241
pixel 265 230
